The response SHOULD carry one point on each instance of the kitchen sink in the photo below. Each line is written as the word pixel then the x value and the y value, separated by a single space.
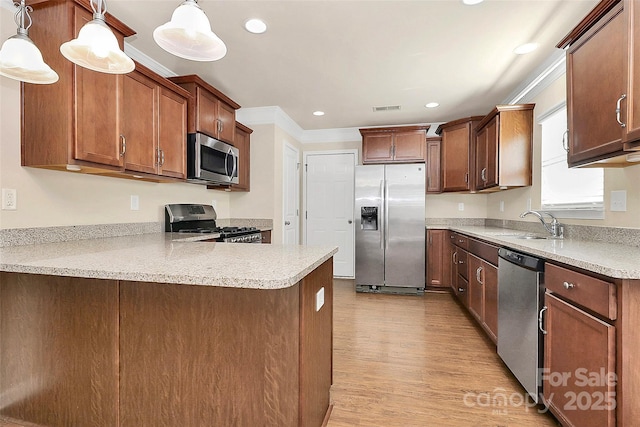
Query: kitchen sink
pixel 530 237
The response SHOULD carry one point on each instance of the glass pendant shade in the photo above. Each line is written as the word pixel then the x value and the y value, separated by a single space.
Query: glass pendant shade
pixel 96 47
pixel 20 59
pixel 188 35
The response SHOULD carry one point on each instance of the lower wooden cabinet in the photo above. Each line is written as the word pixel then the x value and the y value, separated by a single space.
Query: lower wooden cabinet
pixel 579 376
pixel 266 236
pixel 483 295
pixel 437 262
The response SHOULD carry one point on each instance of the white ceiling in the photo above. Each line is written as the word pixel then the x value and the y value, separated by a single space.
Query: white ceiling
pixel 345 57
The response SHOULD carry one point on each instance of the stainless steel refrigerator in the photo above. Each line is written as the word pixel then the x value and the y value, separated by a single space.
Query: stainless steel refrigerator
pixel 390 231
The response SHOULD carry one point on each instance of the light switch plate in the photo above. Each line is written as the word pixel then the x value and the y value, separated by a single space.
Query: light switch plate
pixel 618 201
pixel 319 299
pixel 135 203
pixel 460 206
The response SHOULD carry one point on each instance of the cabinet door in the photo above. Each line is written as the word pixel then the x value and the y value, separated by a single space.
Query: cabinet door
pixel 491 162
pixel 377 148
pixel 475 289
pixel 433 167
pixel 206 113
pixel 227 123
pixel 98 118
pixel 172 134
pixel 242 143
pixel 435 258
pixel 481 159
pixel 409 146
pixel 140 123
pixel 455 158
pixel 490 281
pixel 632 129
pixel 595 82
pixel 579 363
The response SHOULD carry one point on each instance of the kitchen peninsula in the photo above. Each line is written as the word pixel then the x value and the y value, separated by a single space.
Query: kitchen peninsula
pixel 148 330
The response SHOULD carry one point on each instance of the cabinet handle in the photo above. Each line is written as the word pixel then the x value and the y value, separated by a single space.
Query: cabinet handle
pixel 161 157
pixel 540 316
pixel 460 290
pixel 565 140
pixel 461 262
pixel 466 178
pixel 483 174
pixel 478 272
pixel 454 257
pixel 568 285
pixel 157 157
pixel 123 141
pixel 624 95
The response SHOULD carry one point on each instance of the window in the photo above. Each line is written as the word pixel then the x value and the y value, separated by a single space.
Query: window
pixel 567 193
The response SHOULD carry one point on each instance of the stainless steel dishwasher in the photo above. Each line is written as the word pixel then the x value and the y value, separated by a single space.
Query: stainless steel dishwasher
pixel 520 299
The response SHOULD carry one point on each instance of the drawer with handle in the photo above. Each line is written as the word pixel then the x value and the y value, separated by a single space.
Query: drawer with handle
pixel 591 293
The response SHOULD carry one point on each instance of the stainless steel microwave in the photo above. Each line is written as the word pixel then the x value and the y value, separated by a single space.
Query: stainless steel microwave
pixel 210 161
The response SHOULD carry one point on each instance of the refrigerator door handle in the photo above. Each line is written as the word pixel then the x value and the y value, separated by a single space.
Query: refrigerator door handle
pixel 382 214
pixel 386 214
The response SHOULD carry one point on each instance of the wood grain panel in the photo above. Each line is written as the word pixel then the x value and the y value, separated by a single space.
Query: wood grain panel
pixel 316 345
pixel 195 355
pixel 58 350
pixel 628 353
pixel 172 132
pixel 140 122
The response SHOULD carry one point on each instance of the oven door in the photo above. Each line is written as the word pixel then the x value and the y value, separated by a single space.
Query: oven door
pixel 210 161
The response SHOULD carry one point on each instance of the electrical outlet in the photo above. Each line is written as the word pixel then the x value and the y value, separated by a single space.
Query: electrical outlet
pixel 618 201
pixel 135 203
pixel 501 205
pixel 460 206
pixel 9 199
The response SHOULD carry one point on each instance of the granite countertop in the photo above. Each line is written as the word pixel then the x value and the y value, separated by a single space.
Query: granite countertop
pixel 609 259
pixel 169 258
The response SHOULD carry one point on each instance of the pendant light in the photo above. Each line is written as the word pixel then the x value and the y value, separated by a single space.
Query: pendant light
pixel 20 59
pixel 96 47
pixel 188 34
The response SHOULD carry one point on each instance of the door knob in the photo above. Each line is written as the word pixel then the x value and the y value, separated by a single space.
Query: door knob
pixel 287 223
pixel 350 221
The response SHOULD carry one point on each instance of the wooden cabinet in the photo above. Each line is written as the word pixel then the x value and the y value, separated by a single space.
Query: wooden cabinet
pixel 266 236
pixel 403 144
pixel 455 154
pixel 243 144
pixel 210 111
pixel 78 120
pixel 459 267
pixel 580 343
pixel 602 85
pixel 503 146
pixel 433 165
pixel 483 294
pixel 155 124
pixel 437 264
pixel 579 363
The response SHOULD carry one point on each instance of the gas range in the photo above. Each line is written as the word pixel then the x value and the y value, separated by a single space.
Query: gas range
pixel 193 218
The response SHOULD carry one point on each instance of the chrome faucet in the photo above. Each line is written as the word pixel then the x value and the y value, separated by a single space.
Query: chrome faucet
pixel 554 227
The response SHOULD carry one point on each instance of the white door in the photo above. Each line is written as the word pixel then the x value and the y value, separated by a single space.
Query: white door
pixel 290 196
pixel 329 207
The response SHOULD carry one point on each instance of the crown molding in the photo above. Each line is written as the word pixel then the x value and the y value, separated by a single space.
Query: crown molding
pixel 554 67
pixel 147 61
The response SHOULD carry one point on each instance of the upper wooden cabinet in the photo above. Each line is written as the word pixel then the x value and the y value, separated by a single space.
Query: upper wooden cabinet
pixel 603 94
pixel 243 144
pixel 77 121
pixel 503 148
pixel 434 183
pixel 402 144
pixel 210 111
pixel 155 124
pixel 455 153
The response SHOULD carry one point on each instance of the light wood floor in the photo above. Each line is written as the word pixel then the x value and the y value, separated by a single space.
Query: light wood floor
pixel 418 361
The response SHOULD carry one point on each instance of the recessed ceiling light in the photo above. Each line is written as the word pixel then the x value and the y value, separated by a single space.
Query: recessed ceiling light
pixel 255 26
pixel 525 48
pixel 318 113
pixel 471 2
pixel 432 105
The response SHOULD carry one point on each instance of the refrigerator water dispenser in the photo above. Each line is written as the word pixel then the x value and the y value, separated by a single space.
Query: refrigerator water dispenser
pixel 369 217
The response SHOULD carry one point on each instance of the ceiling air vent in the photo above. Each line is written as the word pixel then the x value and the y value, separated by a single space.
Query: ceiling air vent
pixel 387 108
